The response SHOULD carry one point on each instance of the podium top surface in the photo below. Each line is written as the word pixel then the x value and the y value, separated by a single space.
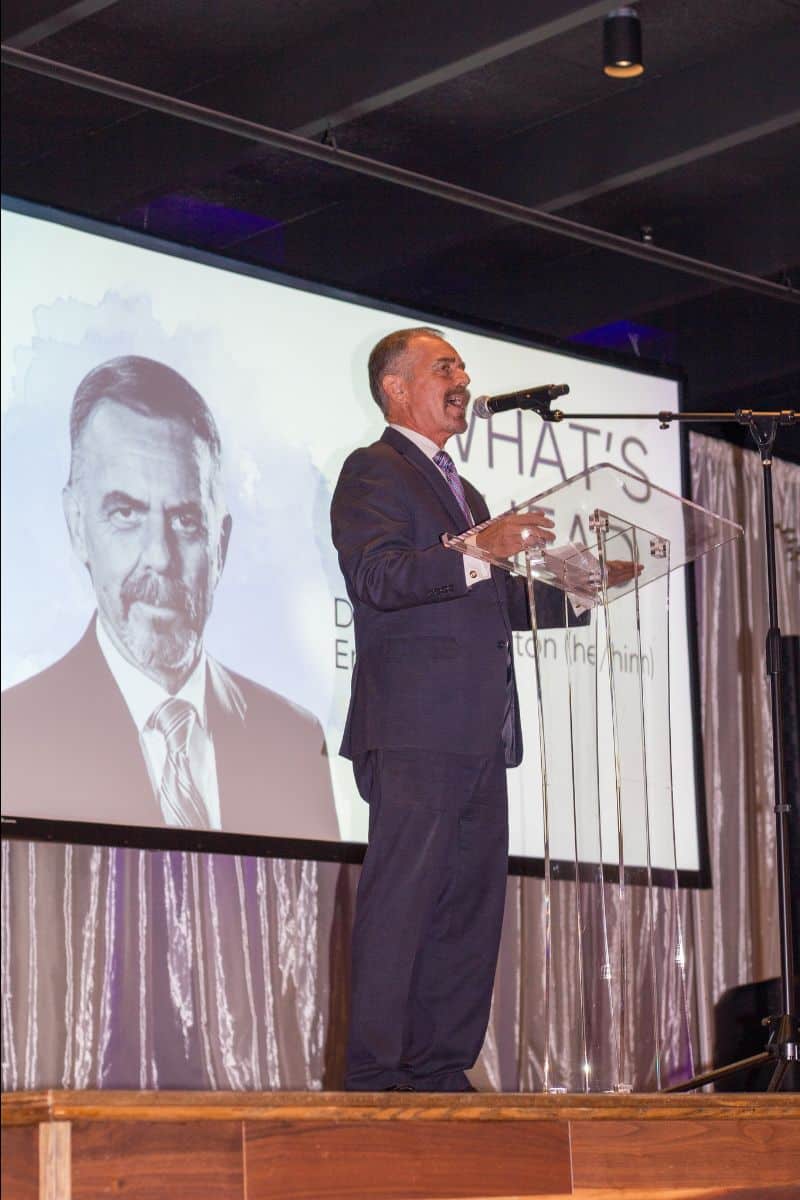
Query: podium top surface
pixel 640 523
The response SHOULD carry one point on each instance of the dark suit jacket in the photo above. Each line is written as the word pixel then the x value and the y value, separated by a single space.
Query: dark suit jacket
pixel 432 654
pixel 71 752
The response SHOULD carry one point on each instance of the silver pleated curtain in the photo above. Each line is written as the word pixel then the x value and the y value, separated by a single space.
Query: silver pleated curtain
pixel 136 969
pixel 735 925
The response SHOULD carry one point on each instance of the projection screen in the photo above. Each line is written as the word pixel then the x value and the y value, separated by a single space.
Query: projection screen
pixel 276 372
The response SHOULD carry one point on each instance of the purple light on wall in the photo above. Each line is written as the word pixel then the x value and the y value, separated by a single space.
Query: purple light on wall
pixel 199 222
pixel 628 337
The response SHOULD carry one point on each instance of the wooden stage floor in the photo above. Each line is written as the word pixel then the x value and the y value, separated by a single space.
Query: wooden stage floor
pixel 60 1145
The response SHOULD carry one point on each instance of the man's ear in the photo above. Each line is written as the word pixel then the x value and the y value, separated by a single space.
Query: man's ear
pixel 394 388
pixel 74 519
pixel 224 540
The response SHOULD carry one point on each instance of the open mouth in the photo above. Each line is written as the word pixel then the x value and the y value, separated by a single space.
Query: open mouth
pixel 458 402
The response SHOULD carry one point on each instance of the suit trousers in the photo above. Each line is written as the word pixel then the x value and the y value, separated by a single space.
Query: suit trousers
pixel 429 911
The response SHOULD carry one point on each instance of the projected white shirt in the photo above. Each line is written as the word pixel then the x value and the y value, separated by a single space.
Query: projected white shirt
pixel 475 569
pixel 143 696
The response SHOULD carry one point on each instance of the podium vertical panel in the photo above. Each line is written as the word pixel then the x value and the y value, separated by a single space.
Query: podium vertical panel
pixel 616 997
pixel 635 643
pixel 566 699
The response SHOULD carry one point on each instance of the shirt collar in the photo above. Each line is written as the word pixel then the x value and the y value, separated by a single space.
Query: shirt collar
pixel 428 447
pixel 142 694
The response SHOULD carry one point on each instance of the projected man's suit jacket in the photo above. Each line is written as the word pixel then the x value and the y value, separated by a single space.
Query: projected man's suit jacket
pixel 71 751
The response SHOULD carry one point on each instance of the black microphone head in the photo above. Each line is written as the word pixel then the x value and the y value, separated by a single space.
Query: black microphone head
pixel 558 389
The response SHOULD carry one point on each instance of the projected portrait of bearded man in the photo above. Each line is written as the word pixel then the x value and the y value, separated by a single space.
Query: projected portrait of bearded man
pixel 146 515
pixel 138 724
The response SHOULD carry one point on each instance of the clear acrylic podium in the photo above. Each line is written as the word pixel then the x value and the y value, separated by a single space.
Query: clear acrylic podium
pixel 617 987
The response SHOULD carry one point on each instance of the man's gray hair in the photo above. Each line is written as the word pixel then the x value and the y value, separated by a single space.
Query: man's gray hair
pixel 147 387
pixel 385 357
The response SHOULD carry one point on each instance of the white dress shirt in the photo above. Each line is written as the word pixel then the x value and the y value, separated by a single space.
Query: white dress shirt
pixel 143 696
pixel 475 569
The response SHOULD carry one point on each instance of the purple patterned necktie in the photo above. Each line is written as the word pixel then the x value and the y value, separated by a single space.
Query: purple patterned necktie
pixel 180 799
pixel 446 464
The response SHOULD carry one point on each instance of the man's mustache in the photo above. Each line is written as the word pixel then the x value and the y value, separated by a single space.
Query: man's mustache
pixel 160 591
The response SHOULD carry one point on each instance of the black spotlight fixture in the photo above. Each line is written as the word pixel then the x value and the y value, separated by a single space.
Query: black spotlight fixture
pixel 622 43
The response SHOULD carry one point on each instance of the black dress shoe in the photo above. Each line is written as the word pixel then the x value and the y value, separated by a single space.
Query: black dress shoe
pixel 400 1087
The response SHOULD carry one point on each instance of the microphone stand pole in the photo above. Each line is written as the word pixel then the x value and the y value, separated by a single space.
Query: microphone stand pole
pixel 783 1043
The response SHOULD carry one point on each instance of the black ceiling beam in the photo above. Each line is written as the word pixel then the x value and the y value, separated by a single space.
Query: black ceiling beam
pixel 332 80
pixel 385 172
pixel 633 136
pixel 49 18
pixel 663 124
pixel 19 15
pixel 758 233
pixel 590 288
pixel 317 84
pixel 383 239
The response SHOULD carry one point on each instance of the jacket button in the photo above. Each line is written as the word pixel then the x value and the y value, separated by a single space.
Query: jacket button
pixel 502 645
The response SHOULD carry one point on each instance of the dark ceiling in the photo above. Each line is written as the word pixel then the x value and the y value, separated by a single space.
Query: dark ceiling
pixel 507 99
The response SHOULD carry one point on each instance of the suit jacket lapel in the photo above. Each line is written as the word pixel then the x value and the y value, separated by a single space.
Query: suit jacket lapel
pixel 118 778
pixel 430 472
pixel 226 722
pixel 434 477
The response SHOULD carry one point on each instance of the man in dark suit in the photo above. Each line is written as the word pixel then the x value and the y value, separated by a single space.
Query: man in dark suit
pixel 433 724
pixel 137 724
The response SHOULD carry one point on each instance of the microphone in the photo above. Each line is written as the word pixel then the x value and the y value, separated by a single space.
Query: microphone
pixel 537 398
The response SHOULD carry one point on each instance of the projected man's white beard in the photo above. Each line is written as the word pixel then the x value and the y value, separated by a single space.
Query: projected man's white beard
pixel 159 623
pixel 155 651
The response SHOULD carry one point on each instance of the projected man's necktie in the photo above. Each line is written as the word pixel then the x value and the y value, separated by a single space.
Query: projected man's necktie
pixel 446 464
pixel 180 799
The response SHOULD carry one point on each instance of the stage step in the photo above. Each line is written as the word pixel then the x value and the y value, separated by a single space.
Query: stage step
pixel 400 1146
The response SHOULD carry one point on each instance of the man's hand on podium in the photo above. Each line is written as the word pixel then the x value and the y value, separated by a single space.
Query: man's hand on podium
pixel 516 532
pixel 576 570
pixel 621 571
